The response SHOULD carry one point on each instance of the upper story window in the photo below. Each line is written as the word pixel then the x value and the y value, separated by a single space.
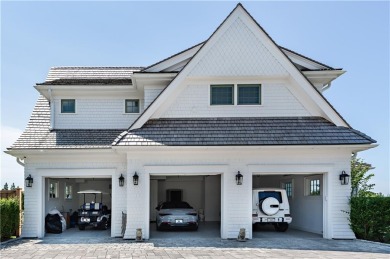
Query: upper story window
pixel 222 95
pixel 68 106
pixel 248 94
pixel 132 106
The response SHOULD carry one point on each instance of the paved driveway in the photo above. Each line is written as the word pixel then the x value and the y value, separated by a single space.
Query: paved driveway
pixel 104 247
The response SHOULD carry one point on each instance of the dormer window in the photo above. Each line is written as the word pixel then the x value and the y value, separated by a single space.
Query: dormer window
pixel 68 106
pixel 132 106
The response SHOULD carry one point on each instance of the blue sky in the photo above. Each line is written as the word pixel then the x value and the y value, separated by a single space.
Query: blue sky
pixel 352 35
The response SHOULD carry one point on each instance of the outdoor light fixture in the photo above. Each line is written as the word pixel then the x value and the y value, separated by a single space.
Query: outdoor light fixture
pixel 239 178
pixel 29 181
pixel 344 178
pixel 135 178
pixel 121 181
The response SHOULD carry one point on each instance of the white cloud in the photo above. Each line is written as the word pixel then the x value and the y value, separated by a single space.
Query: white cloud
pixel 11 171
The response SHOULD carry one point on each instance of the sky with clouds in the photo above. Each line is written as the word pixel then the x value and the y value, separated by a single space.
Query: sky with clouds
pixel 38 35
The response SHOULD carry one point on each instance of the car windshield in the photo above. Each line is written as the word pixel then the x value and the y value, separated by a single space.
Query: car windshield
pixel 266 194
pixel 176 205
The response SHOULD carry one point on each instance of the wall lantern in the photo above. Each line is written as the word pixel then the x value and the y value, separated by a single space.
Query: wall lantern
pixel 121 181
pixel 344 178
pixel 239 178
pixel 29 181
pixel 135 178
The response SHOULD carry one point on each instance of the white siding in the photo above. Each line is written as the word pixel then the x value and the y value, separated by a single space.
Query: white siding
pixel 238 52
pixel 194 101
pixel 151 94
pixel 96 114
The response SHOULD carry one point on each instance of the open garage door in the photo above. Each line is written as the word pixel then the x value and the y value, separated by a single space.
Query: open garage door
pixel 201 192
pixel 92 206
pixel 304 194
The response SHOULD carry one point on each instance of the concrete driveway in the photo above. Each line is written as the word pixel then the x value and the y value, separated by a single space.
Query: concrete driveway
pixel 98 244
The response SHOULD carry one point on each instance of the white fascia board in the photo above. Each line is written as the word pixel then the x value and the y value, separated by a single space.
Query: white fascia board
pixel 302 61
pixel 229 149
pixel 176 59
pixel 85 90
pixel 324 76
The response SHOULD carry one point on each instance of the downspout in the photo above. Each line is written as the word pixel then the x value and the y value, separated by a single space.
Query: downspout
pixel 52 110
pixel 20 162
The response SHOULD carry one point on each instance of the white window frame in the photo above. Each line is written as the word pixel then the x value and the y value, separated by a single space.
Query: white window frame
pixel 125 105
pixel 71 191
pixel 56 189
pixel 68 113
pixel 307 185
pixel 235 94
pixel 283 186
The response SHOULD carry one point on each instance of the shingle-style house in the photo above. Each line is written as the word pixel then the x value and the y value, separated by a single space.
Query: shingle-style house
pixel 186 125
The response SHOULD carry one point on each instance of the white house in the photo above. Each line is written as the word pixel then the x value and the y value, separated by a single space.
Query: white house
pixel 236 102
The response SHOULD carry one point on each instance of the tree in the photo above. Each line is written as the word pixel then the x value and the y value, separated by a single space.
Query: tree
pixel 13 186
pixel 360 185
pixel 5 186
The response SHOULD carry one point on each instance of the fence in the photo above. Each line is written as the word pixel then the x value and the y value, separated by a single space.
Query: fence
pixel 17 193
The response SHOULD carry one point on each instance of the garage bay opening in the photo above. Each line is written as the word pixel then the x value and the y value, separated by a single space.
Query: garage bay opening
pixel 183 206
pixel 77 206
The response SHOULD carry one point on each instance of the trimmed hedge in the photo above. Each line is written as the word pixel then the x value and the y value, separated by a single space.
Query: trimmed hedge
pixel 370 218
pixel 9 209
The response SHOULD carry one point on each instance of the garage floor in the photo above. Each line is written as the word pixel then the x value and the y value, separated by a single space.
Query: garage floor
pixel 206 230
pixel 268 231
pixel 75 233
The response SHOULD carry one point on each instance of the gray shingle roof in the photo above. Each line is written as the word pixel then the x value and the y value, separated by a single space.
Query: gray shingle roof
pixel 261 131
pixel 59 75
pixel 38 136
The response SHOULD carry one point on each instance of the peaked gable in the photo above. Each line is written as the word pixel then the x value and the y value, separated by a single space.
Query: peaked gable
pixel 238 52
pixel 314 101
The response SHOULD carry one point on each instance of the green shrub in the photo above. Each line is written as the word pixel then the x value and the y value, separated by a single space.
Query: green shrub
pixel 370 218
pixel 9 209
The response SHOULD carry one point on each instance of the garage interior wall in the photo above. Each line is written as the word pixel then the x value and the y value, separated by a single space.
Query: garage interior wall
pixel 306 211
pixel 201 192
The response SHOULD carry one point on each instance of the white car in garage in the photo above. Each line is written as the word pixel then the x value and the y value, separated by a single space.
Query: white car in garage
pixel 271 206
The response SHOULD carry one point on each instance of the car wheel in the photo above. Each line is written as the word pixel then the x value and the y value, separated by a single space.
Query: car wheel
pixel 157 227
pixel 104 224
pixel 281 227
pixel 81 227
pixel 195 228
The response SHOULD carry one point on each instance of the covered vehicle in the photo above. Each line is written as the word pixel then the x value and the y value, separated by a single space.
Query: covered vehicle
pixel 93 213
pixel 176 214
pixel 55 222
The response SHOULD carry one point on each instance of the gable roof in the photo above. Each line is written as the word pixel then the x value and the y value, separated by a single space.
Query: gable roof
pixel 318 98
pixel 37 134
pixel 259 131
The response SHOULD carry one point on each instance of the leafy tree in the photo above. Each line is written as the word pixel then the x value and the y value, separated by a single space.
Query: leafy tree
pixel 360 178
pixel 13 186
pixel 5 186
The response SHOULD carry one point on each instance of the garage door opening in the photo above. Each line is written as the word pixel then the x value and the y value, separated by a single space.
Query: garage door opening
pixel 304 193
pixel 201 192
pixel 92 206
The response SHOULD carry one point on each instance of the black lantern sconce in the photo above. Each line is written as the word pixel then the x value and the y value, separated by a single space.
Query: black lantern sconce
pixel 239 178
pixel 135 178
pixel 121 181
pixel 29 181
pixel 344 178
